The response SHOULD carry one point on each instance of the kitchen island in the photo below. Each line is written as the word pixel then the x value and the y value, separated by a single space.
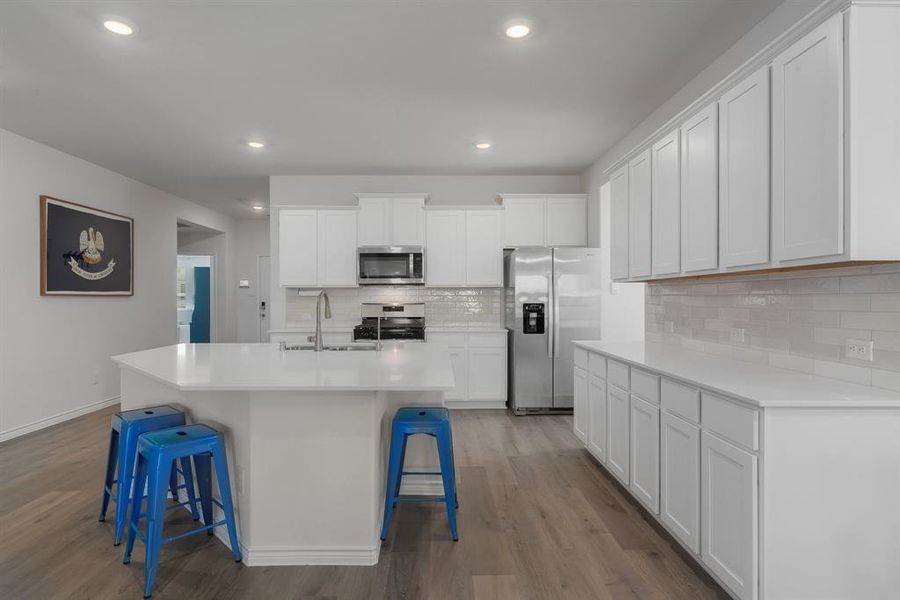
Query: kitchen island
pixel 307 435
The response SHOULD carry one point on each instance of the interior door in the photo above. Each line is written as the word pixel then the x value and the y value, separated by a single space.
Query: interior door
pixel 575 311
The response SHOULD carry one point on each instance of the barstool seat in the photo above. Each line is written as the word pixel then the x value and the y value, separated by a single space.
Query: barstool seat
pixel 428 420
pixel 125 428
pixel 157 453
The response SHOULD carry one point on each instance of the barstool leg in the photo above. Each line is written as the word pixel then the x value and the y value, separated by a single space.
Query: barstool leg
pixel 156 511
pixel 140 479
pixel 203 464
pixel 125 488
pixel 225 492
pixel 188 473
pixel 395 466
pixel 110 472
pixel 445 451
pixel 453 467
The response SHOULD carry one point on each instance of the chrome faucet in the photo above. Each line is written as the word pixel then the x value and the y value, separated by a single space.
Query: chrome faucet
pixel 319 345
pixel 378 340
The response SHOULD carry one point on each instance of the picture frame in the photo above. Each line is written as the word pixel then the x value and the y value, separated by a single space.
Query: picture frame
pixel 85 251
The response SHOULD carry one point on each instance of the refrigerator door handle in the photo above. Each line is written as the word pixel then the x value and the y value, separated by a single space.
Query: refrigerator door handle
pixel 555 320
pixel 551 317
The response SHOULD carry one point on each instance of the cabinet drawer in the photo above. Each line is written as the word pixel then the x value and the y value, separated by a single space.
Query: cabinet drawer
pixel 487 340
pixel 645 385
pixel 731 420
pixel 680 399
pixel 597 365
pixel 617 374
pixel 581 357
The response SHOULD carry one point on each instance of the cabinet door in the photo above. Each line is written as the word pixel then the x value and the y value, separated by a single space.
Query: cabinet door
pixel 445 253
pixel 408 222
pixel 666 204
pixel 581 407
pixel 483 248
pixel 374 222
pixel 639 215
pixel 525 222
pixel 807 146
pixel 744 172
pixel 596 429
pixel 700 191
pixel 487 373
pixel 680 479
pixel 728 509
pixel 644 453
pixel 456 345
pixel 297 247
pixel 617 432
pixel 566 221
pixel 337 248
pixel 618 227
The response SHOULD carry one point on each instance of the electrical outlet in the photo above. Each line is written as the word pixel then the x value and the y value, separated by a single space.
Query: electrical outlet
pixel 737 334
pixel 669 326
pixel 859 349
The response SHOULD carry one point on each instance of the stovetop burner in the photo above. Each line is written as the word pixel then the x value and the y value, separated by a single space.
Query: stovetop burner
pixel 398 322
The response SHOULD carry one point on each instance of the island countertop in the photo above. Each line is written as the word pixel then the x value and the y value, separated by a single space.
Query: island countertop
pixel 262 367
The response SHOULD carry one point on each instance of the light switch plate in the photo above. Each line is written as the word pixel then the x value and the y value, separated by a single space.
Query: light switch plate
pixel 244 283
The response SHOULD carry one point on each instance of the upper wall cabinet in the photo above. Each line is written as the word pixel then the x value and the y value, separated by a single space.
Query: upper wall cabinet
pixel 391 220
pixel 700 191
pixel 618 231
pixel 536 220
pixel 807 145
pixel 465 247
pixel 317 247
pixel 744 172
pixel 639 214
pixel 666 205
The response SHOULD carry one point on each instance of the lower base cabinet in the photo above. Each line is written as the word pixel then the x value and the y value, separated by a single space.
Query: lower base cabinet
pixel 596 415
pixel 580 407
pixel 479 367
pixel 644 453
pixel 680 479
pixel 617 432
pixel 729 505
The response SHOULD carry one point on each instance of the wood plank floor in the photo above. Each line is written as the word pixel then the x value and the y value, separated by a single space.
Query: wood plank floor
pixel 539 520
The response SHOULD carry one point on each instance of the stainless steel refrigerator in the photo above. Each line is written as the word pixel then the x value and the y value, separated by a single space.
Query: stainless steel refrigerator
pixel 552 298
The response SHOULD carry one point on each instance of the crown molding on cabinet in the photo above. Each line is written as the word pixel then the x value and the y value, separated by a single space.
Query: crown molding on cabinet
pixel 425 195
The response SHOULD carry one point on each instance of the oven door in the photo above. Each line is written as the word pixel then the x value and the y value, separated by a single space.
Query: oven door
pixel 393 265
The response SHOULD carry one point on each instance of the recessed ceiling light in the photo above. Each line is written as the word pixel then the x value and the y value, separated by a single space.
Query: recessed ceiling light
pixel 517 31
pixel 256 145
pixel 483 145
pixel 257 206
pixel 118 27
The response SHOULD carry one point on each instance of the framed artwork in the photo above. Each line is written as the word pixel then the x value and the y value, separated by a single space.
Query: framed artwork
pixel 85 251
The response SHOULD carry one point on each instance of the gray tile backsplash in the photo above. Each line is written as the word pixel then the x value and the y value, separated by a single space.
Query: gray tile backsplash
pixel 799 320
pixel 444 307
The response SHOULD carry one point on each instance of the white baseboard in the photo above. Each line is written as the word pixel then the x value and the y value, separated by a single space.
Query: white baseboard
pixel 477 404
pixel 56 419
pixel 301 555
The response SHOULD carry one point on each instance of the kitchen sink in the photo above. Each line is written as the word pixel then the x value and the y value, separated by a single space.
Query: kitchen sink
pixel 342 348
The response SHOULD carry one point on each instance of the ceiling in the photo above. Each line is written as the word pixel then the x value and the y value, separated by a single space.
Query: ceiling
pixel 340 87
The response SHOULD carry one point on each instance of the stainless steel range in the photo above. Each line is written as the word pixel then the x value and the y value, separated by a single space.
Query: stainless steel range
pixel 394 321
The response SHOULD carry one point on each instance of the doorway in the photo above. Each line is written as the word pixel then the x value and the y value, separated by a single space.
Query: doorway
pixel 194 297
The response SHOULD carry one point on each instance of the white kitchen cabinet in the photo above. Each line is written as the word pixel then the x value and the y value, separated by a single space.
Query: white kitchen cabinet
pixel 479 367
pixel 666 205
pixel 484 248
pixel 729 514
pixel 336 248
pixel 644 453
pixel 457 347
pixel 566 221
pixel 617 432
pixel 618 231
pixel 639 215
pixel 391 220
pixel 680 478
pixel 744 172
pixel 537 220
pixel 297 247
pixel 700 191
pixel 807 145
pixel 445 253
pixel 580 421
pixel 596 413
pixel 487 373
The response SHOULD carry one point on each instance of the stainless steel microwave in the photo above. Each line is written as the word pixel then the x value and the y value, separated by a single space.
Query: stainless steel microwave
pixel 390 265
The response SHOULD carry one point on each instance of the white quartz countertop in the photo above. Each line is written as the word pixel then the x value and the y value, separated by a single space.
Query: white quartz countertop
pixel 260 367
pixel 760 385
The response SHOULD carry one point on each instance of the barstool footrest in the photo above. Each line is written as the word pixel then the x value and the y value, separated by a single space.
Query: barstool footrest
pixel 422 498
pixel 193 531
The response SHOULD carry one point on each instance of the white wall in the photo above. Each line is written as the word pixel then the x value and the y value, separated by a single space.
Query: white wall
pixel 54 351
pixel 775 24
pixel 298 190
pixel 251 243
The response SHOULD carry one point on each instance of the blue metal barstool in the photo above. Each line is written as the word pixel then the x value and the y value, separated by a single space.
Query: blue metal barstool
pixel 125 428
pixel 157 451
pixel 429 420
